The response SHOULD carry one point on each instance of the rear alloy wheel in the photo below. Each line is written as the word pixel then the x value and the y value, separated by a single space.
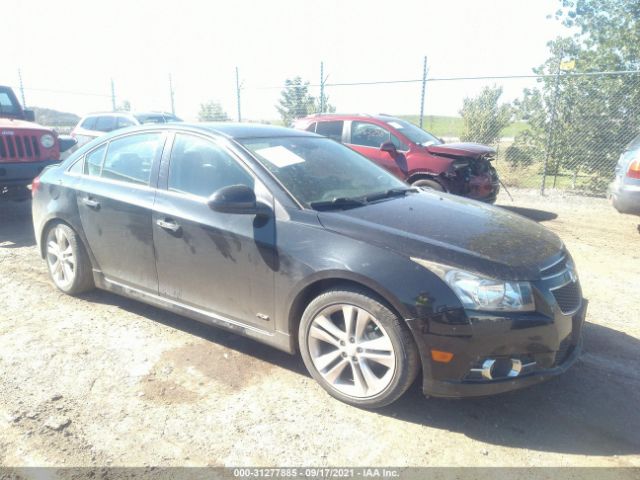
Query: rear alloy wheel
pixel 426 183
pixel 67 260
pixel 357 349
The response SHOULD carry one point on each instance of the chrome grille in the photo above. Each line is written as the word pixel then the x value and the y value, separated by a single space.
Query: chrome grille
pixel 568 297
pixel 555 268
pixel 19 147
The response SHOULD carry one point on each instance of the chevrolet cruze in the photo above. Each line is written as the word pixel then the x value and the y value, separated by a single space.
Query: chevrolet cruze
pixel 301 243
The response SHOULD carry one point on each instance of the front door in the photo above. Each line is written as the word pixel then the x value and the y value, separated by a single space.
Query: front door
pixel 115 200
pixel 220 263
pixel 366 138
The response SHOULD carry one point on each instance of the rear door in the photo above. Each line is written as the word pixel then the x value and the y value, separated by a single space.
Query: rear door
pixel 115 201
pixel 219 263
pixel 366 138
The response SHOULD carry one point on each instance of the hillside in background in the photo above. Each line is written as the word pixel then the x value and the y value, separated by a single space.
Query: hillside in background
pixel 54 118
pixel 443 126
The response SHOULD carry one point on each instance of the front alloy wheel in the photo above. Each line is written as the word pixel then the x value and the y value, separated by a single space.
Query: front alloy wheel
pixel 357 348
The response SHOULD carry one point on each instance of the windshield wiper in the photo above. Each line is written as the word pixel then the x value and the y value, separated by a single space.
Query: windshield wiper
pixel 338 203
pixel 392 192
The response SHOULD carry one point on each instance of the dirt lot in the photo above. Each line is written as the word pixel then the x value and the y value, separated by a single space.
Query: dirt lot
pixel 102 380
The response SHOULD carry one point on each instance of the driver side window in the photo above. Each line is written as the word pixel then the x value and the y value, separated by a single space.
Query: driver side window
pixel 200 167
pixel 368 135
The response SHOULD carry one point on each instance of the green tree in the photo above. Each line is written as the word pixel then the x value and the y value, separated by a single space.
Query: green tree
pixel 212 111
pixel 483 117
pixel 582 122
pixel 295 100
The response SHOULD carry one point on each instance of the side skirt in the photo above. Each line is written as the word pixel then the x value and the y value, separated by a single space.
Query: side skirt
pixel 277 339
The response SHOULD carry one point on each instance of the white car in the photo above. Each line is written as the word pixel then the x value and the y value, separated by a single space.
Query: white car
pixel 96 124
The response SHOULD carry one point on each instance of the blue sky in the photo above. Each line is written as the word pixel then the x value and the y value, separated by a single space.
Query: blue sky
pixel 78 46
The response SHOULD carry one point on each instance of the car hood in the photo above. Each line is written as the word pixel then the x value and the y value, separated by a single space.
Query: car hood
pixel 453 231
pixel 21 124
pixel 460 149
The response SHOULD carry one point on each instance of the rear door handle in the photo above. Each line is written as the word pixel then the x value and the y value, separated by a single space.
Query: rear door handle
pixel 91 203
pixel 168 225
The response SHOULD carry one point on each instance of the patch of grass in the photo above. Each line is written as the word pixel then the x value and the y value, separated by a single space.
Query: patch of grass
pixel 445 126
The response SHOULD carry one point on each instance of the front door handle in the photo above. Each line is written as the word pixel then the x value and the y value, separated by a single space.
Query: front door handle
pixel 168 225
pixel 91 203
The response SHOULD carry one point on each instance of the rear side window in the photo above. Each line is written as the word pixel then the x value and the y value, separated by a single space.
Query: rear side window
pixel 89 123
pixel 332 130
pixel 105 123
pixel 130 159
pixel 93 161
pixel 200 167
pixel 368 134
pixel 311 128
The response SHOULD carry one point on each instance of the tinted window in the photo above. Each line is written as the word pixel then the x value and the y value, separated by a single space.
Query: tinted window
pixel 413 133
pixel 129 159
pixel 123 122
pixel 368 134
pixel 332 130
pixel 89 123
pixel 105 123
pixel 201 167
pixel 93 161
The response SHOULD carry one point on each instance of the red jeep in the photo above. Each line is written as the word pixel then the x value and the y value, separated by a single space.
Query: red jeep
pixel 25 147
pixel 412 154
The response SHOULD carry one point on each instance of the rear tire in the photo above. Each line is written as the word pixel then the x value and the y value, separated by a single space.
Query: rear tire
pixel 427 183
pixel 67 260
pixel 357 349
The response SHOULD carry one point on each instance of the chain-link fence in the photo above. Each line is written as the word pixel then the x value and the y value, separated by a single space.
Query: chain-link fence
pixel 558 131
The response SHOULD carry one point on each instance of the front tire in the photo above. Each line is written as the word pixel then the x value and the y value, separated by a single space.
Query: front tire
pixel 427 183
pixel 357 349
pixel 67 260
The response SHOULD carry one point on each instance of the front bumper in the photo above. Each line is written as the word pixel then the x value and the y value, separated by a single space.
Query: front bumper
pixel 550 344
pixel 21 174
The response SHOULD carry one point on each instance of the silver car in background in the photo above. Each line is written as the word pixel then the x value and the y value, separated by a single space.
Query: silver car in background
pixel 95 125
pixel 625 188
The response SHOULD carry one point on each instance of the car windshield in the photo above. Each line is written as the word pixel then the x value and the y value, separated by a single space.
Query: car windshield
pixel 321 173
pixel 7 105
pixel 413 133
pixel 156 118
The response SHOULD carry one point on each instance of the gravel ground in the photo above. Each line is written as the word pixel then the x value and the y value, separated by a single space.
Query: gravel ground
pixel 102 380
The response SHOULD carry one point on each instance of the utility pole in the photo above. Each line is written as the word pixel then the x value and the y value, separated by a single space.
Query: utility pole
pixel 424 86
pixel 24 103
pixel 238 94
pixel 321 87
pixel 173 106
pixel 552 123
pixel 113 96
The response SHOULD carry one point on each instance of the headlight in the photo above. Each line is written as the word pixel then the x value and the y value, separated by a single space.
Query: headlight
pixel 47 141
pixel 478 292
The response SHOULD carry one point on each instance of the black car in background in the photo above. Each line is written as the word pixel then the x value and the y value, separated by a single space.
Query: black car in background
pixel 301 243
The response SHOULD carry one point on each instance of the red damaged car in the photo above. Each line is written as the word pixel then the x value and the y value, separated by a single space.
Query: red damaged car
pixel 413 155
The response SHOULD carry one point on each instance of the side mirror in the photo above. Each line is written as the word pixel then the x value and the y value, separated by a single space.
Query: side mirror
pixel 29 115
pixel 390 148
pixel 238 199
pixel 66 142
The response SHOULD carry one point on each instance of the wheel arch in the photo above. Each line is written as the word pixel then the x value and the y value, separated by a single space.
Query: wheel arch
pixel 55 220
pixel 421 175
pixel 328 280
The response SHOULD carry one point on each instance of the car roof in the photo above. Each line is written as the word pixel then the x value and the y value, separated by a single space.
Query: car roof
pixel 249 130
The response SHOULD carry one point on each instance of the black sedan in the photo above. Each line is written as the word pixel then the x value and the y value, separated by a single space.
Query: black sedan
pixel 301 243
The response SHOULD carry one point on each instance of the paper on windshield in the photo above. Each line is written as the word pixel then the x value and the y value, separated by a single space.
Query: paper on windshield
pixel 279 156
pixel 395 125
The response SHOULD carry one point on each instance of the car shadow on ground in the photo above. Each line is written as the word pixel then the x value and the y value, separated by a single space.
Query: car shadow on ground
pixel 590 410
pixel 16 228
pixel 531 213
